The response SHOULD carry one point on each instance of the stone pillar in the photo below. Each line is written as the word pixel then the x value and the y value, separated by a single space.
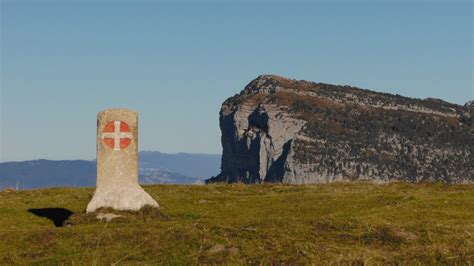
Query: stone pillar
pixel 117 163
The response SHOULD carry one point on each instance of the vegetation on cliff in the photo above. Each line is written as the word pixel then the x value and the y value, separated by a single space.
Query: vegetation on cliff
pixel 291 131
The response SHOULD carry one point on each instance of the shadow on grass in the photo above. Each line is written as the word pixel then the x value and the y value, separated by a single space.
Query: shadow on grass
pixel 56 215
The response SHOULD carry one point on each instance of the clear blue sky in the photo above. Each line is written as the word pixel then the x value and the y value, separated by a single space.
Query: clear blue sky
pixel 176 63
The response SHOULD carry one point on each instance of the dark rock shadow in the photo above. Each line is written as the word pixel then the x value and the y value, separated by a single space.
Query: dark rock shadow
pixel 277 169
pixel 56 215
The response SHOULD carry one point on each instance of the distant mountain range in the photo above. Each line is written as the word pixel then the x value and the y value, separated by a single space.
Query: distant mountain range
pixel 155 168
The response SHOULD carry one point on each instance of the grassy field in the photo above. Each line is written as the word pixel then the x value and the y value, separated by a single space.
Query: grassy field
pixel 338 223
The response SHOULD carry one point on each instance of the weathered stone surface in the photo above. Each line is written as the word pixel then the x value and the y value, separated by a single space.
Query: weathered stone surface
pixel 282 130
pixel 107 216
pixel 117 163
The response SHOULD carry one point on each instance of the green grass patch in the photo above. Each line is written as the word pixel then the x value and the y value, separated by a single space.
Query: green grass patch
pixel 345 223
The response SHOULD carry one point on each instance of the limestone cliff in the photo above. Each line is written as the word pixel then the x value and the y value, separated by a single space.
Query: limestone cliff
pixel 282 130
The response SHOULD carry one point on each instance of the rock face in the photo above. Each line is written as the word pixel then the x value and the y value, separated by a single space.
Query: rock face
pixel 282 130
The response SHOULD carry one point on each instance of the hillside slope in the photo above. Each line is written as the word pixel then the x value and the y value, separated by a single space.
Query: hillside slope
pixel 351 223
pixel 293 131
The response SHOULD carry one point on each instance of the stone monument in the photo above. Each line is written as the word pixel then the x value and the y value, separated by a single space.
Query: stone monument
pixel 117 163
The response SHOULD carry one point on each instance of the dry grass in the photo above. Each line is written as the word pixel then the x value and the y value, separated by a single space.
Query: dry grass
pixel 288 98
pixel 338 223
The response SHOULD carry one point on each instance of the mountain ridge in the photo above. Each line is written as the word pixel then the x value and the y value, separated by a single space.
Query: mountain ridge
pixel 42 173
pixel 294 131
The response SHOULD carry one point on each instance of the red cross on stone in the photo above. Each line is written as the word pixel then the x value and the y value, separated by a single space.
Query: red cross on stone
pixel 116 135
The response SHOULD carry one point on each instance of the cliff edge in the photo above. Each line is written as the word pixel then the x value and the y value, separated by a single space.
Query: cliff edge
pixel 291 131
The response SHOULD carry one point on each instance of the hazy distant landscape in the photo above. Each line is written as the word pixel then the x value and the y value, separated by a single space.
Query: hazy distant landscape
pixel 154 168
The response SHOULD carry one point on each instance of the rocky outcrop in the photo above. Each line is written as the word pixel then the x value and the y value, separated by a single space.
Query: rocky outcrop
pixel 282 130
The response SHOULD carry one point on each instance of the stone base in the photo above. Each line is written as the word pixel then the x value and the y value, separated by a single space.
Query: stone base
pixel 131 198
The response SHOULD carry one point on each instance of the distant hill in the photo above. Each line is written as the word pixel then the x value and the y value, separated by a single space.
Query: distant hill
pixel 46 173
pixel 155 168
pixel 194 165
